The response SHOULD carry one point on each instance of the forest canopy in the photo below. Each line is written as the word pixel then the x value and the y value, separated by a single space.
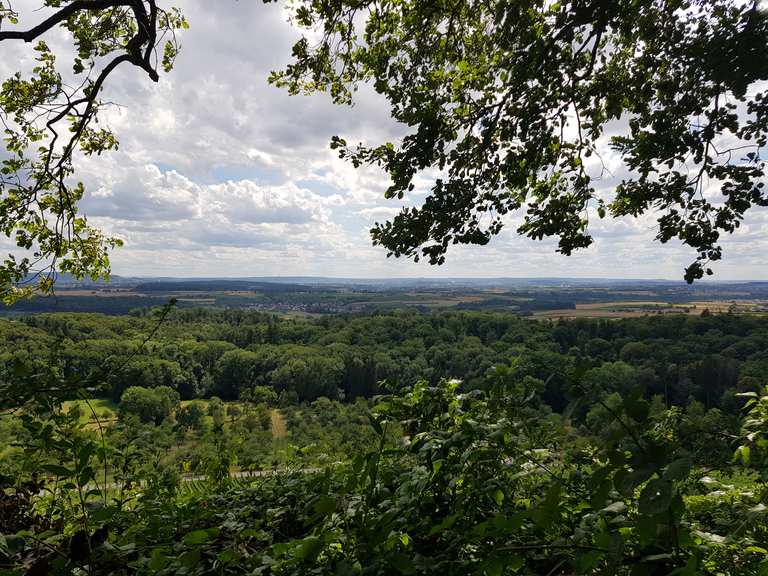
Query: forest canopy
pixel 237 442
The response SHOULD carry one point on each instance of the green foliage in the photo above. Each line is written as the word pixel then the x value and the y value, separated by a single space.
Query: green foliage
pixel 259 395
pixel 566 455
pixel 480 484
pixel 149 404
pixel 515 104
pixel 190 416
pixel 325 431
pixel 217 412
pixel 235 369
pixel 228 354
pixel 48 123
pixel 234 412
pixel 755 431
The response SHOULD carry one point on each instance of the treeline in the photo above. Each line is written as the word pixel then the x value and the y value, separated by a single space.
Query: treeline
pixel 122 304
pixel 229 354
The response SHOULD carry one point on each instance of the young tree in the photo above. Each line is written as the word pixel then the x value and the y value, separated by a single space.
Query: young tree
pixel 191 416
pixel 234 412
pixel 150 405
pixel 217 410
pixel 251 421
pixel 259 395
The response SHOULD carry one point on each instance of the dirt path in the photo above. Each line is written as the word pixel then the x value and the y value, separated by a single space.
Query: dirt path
pixel 279 429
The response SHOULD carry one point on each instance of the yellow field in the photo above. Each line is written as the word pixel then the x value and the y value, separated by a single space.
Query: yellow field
pixel 634 309
pixel 105 411
pixel 621 304
pixel 587 313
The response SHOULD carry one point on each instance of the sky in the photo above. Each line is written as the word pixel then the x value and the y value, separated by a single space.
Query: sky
pixel 220 174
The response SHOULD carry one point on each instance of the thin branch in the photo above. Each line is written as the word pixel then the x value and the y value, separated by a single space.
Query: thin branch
pixel 61 16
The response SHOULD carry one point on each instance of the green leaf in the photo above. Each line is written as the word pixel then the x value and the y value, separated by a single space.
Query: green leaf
pixel 103 514
pixel 743 453
pixel 402 563
pixel 637 408
pixel 196 538
pixel 375 424
pixel 655 497
pixel 157 560
pixel 446 523
pixel 626 481
pixel 548 510
pixel 515 562
pixel 615 508
pixel 190 559
pixel 346 568
pixel 227 556
pixel 309 548
pixel 57 470
pixel 497 564
pixel 600 495
pixel 678 470
pixel 689 569
pixel 325 505
pixel 586 562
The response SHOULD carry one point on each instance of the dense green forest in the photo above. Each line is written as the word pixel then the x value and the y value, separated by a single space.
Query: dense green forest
pixel 223 442
pixel 202 353
pixel 459 442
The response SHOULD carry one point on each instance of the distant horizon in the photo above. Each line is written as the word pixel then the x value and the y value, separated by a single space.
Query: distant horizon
pixel 309 277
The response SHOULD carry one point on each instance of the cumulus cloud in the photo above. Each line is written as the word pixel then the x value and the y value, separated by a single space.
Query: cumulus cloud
pixel 379 212
pixel 220 173
pixel 166 210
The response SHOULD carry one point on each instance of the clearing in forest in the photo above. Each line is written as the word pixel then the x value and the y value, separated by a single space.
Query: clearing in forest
pixel 279 429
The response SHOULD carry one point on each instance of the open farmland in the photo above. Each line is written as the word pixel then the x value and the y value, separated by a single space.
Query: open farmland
pixel 542 298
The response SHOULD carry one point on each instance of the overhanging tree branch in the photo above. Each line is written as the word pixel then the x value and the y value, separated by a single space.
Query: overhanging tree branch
pixel 60 16
pixel 38 208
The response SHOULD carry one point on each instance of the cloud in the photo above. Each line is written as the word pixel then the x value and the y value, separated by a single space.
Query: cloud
pixel 379 213
pixel 219 173
pixel 153 208
pixel 141 193
pixel 245 201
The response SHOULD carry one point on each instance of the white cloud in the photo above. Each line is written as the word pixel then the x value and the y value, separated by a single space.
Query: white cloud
pixel 379 213
pixel 219 173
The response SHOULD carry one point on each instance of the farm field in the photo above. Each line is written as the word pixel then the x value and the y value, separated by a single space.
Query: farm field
pixel 619 309
pixel 635 309
pixel 544 298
